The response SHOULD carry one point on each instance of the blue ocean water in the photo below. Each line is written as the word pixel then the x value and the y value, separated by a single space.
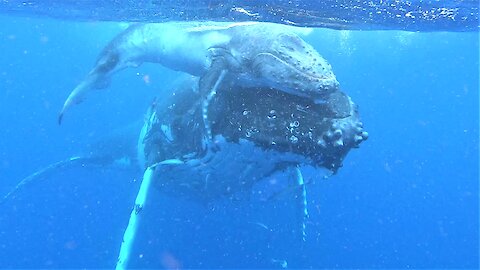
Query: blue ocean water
pixel 407 198
pixel 413 15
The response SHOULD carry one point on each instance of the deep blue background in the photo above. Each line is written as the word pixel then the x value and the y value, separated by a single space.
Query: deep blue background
pixel 408 197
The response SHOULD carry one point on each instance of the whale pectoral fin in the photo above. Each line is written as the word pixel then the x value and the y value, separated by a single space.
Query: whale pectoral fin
pixel 137 214
pixel 208 86
pixel 211 78
pixel 222 56
pixel 49 170
pixel 222 62
pixel 301 199
pixel 131 231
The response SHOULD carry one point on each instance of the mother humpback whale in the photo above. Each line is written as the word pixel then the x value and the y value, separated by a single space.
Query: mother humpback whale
pixel 249 54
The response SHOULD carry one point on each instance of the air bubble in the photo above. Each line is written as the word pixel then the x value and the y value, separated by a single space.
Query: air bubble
pixel 272 115
pixel 249 132
pixel 293 139
pixel 294 124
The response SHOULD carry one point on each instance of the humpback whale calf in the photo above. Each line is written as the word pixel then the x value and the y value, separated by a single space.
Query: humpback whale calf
pixel 252 54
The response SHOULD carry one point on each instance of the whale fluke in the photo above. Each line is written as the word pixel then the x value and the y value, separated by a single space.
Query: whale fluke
pixel 98 78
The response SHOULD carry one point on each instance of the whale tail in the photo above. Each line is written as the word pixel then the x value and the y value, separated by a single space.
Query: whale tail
pixel 98 78
pixel 108 63
pixel 79 92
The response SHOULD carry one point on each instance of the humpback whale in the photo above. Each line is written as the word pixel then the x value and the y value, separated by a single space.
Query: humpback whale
pixel 253 54
pixel 254 133
pixel 270 129
pixel 267 100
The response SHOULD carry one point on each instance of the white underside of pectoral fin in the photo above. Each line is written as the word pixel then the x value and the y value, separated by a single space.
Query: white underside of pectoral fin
pixel 132 227
pixel 302 201
pixel 133 223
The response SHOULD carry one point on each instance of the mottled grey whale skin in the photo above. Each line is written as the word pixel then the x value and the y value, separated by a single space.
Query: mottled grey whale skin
pixel 251 54
pixel 255 133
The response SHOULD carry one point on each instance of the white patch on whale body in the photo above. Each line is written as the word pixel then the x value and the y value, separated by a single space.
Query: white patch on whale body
pixel 177 48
